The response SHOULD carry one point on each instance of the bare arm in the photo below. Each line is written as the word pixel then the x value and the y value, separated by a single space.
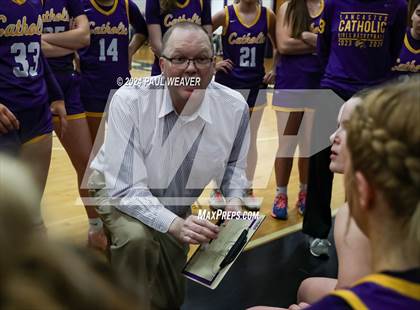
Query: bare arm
pixel 285 43
pixel 51 51
pixel 138 23
pixel 272 36
pixel 309 38
pixel 136 42
pixel 272 27
pixel 270 76
pixel 155 38
pixel 74 39
pixel 77 62
pixel 219 19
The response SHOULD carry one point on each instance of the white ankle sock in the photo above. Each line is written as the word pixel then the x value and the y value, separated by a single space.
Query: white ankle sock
pixel 281 190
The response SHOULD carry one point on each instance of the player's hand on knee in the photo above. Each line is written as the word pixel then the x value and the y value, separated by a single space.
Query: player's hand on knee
pixel 58 108
pixel 8 121
pixel 225 65
pixel 193 230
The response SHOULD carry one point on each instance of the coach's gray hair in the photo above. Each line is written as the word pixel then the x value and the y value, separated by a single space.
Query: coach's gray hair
pixel 185 26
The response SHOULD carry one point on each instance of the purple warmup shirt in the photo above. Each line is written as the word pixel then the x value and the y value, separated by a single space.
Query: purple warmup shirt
pixel 22 83
pixel 359 41
pixel 106 59
pixel 244 45
pixel 385 291
pixel 409 60
pixel 56 17
pixel 196 11
pixel 301 71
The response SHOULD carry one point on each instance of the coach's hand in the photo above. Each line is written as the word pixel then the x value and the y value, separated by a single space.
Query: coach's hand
pixel 8 120
pixel 193 230
pixel 225 65
pixel 59 109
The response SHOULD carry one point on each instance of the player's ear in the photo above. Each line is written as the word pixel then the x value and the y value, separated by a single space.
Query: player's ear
pixel 365 191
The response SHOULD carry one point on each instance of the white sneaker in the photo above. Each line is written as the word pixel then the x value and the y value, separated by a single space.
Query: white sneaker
pixel 251 202
pixel 217 201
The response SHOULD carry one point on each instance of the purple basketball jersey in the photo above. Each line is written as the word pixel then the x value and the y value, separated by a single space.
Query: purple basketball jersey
pixel 385 291
pixel 195 11
pixel 189 11
pixel 360 41
pixel 22 84
pixel 106 59
pixel 409 60
pixel 244 45
pixel 301 71
pixel 56 18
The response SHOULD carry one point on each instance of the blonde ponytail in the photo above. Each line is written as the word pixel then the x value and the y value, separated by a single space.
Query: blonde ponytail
pixel 383 138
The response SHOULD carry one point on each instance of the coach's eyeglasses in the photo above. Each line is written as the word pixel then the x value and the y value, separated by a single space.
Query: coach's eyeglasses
pixel 183 63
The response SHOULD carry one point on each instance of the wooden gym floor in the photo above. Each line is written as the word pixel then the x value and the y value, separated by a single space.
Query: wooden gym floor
pixel 66 219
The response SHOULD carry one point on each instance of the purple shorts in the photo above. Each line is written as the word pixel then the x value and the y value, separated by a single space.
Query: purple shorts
pixel 96 107
pixel 34 122
pixel 251 92
pixel 70 85
pixel 155 67
pixel 302 81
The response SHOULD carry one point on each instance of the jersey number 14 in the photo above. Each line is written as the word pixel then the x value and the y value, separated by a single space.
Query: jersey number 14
pixel 111 51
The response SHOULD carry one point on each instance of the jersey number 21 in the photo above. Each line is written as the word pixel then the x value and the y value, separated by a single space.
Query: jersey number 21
pixel 247 58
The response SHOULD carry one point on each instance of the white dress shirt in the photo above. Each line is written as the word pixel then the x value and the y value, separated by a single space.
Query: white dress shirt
pixel 157 163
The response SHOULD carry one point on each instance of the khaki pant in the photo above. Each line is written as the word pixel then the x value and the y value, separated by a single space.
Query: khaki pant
pixel 154 260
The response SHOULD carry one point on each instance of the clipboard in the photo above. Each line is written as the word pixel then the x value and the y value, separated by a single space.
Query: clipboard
pixel 210 263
